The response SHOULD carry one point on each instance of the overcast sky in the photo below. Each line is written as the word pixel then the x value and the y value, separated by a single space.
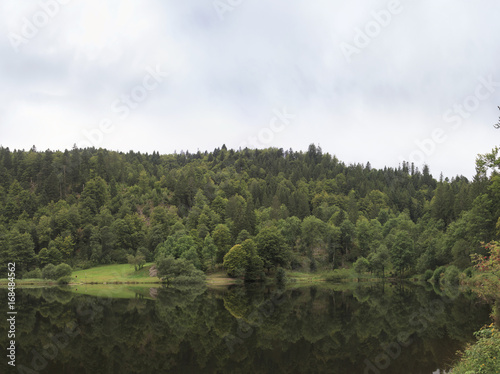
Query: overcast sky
pixel 378 81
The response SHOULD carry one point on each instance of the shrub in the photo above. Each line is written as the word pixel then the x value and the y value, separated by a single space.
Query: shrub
pixel 428 274
pixel 55 272
pixel 33 274
pixel 483 355
pixel 468 272
pixel 62 270
pixel 178 271
pixel 361 265
pixel 119 256
pixel 48 271
pixel 137 261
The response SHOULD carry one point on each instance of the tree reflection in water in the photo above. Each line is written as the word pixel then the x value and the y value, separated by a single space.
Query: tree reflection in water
pixel 253 329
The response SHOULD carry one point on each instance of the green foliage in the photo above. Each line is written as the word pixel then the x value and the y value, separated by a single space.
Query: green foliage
pixel 235 261
pixel 176 245
pixel 361 265
pixel 97 206
pixel 271 247
pixel 21 250
pixel 137 261
pixel 179 270
pixel 487 280
pixel 401 251
pixel 468 272
pixel 242 236
pixel 243 260
pixel 482 357
pixel 48 271
pixel 33 274
pixel 53 272
pixel 61 248
pixel 192 256
pixel 94 195
pixel 379 260
pixel 313 233
pixel 222 240
pixel 255 265
pixel 209 251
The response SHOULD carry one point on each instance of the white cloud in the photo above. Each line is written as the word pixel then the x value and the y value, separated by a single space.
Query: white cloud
pixel 228 76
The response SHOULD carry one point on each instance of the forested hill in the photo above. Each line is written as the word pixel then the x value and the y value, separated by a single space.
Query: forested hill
pixel 93 206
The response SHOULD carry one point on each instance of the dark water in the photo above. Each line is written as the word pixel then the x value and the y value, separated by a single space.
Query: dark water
pixel 364 329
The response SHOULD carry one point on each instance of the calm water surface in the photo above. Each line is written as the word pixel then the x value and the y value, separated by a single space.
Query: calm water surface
pixel 374 328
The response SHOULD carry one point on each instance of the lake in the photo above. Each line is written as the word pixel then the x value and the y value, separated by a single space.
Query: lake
pixel 360 328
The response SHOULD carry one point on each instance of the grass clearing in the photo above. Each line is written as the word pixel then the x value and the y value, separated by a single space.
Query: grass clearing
pixel 121 273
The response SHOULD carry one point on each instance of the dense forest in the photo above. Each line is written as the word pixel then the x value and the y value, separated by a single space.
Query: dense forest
pixel 252 210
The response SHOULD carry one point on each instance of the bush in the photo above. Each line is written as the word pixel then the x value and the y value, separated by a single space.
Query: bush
pixel 436 276
pixel 33 274
pixel 468 272
pixel 179 270
pixel 451 275
pixel 119 256
pixel 55 272
pixel 483 355
pixel 361 265
pixel 428 274
pixel 62 270
pixel 48 271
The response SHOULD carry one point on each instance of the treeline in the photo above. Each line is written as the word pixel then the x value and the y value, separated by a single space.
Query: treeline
pixel 300 210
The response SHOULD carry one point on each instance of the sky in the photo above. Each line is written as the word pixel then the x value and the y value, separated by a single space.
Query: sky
pixel 377 81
